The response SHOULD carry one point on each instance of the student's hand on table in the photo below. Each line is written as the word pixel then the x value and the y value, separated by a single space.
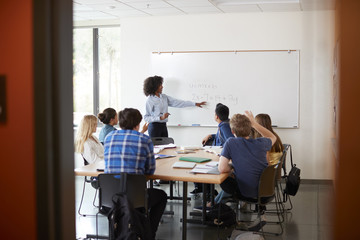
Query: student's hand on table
pixel 165 116
pixel 145 127
pixel 206 139
pixel 200 104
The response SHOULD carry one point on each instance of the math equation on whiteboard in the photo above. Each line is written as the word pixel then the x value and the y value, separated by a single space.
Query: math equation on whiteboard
pixel 229 99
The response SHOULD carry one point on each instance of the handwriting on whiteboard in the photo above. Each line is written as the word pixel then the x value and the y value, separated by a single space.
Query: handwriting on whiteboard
pixel 216 98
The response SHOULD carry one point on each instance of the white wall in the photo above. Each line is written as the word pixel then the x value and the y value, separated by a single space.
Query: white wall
pixel 310 32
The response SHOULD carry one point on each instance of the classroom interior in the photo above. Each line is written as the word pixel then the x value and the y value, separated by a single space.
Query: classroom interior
pixel 36 47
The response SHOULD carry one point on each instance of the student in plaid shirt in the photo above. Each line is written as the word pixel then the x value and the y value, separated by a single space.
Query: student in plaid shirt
pixel 131 151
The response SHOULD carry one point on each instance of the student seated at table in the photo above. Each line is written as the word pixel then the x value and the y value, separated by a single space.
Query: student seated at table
pixel 248 156
pixel 128 150
pixel 276 151
pixel 218 139
pixel 86 143
pixel 110 119
pixel 224 131
pixel 273 156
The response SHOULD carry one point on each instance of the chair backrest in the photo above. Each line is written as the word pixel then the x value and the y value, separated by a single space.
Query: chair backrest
pixel 281 162
pixel 286 149
pixel 134 185
pixel 162 140
pixel 267 181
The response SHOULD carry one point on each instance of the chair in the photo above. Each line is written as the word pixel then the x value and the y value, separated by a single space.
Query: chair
pixel 134 185
pixel 94 183
pixel 286 197
pixel 278 186
pixel 162 140
pixel 266 193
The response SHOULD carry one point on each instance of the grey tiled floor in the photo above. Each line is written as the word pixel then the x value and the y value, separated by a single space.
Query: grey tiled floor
pixel 310 218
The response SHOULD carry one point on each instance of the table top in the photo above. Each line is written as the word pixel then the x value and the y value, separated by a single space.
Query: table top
pixel 165 171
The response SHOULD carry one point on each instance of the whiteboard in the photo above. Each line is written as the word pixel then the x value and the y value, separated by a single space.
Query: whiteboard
pixel 260 81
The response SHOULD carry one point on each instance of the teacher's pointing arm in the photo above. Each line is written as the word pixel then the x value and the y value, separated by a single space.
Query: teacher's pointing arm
pixel 173 102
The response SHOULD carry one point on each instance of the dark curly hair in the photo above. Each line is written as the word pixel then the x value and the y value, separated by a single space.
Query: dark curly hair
pixel 151 85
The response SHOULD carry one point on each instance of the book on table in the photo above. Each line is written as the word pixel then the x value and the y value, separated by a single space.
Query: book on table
pixel 158 156
pixel 184 165
pixel 195 159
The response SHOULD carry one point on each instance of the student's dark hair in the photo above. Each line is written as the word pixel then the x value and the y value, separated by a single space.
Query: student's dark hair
pixel 151 84
pixel 240 125
pixel 107 115
pixel 129 118
pixel 264 120
pixel 222 111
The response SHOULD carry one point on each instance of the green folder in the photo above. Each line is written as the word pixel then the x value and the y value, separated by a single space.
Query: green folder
pixel 195 159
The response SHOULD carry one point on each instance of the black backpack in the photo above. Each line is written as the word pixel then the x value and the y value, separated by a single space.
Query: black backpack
pixel 221 215
pixel 293 179
pixel 127 223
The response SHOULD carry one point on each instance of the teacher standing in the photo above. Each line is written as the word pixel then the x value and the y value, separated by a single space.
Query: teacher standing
pixel 157 105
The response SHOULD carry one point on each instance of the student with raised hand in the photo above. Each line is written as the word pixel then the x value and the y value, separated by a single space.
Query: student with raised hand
pixel 157 105
pixel 224 131
pixel 274 155
pixel 86 143
pixel 248 156
pixel 110 119
pixel 128 150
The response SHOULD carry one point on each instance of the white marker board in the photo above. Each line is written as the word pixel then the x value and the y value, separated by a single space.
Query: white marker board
pixel 260 81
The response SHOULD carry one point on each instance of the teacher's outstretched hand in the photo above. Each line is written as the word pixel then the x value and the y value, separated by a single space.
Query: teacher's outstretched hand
pixel 200 104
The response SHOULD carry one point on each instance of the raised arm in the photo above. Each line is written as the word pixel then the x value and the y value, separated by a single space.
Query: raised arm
pixel 263 131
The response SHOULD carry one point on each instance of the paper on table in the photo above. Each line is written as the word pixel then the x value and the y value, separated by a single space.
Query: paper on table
pixel 213 149
pixel 159 148
pixel 190 147
pixel 202 168
pixel 212 164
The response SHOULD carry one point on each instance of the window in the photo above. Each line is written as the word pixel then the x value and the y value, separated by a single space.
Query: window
pixel 96 63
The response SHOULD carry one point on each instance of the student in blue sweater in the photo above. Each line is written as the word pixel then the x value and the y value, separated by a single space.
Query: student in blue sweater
pixel 224 131
pixel 218 139
pixel 110 119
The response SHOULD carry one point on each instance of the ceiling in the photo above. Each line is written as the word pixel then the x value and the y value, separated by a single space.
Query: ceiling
pixel 89 10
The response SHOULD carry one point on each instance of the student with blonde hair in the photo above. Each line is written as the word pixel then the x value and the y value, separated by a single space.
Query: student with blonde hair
pixel 86 143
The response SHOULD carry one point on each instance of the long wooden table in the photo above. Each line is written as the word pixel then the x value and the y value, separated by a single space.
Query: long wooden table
pixel 165 171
